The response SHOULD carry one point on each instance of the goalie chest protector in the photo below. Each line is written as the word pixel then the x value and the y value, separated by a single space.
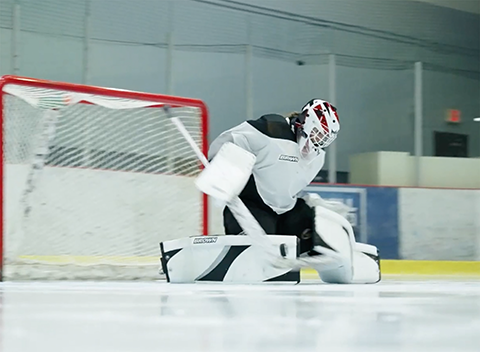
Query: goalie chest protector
pixel 280 173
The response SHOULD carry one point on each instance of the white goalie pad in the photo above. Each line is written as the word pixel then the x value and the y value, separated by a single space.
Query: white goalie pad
pixel 366 264
pixel 226 258
pixel 314 200
pixel 227 174
pixel 337 245
pixel 352 262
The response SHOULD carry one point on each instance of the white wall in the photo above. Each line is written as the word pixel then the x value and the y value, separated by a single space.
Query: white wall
pixel 439 224
pixel 98 213
pixel 462 5
pixel 398 169
pixel 127 50
pixel 60 58
pixel 451 172
pixel 375 109
pixel 443 91
pixel 5 52
pixel 364 169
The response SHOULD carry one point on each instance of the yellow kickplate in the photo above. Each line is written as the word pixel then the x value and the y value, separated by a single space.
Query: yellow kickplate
pixel 89 260
pixel 423 267
pixel 430 267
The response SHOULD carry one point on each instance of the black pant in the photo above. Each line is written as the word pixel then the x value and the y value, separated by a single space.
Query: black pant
pixel 297 222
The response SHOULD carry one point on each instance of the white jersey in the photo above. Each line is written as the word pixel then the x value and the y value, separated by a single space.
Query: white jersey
pixel 279 173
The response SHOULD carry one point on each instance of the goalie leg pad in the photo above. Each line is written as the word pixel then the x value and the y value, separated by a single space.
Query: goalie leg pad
pixel 333 241
pixel 366 264
pixel 352 262
pixel 227 258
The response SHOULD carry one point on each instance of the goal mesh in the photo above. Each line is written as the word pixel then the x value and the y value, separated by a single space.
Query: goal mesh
pixel 93 183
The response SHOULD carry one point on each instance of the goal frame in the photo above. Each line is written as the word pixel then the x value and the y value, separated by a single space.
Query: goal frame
pixel 172 101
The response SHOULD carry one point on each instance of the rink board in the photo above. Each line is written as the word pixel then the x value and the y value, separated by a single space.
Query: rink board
pixel 373 214
pixel 412 223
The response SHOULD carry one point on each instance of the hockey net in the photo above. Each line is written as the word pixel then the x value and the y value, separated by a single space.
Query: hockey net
pixel 94 178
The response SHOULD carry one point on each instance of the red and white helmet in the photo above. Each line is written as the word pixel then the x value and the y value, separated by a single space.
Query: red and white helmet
pixel 317 127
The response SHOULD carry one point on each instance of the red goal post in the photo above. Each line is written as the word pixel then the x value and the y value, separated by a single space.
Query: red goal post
pixel 74 156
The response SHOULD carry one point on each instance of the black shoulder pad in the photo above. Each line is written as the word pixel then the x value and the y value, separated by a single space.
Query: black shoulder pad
pixel 274 126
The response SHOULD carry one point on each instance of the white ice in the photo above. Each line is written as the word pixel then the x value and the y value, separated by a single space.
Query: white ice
pixel 395 315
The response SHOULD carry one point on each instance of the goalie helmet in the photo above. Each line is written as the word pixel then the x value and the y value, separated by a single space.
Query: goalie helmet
pixel 316 127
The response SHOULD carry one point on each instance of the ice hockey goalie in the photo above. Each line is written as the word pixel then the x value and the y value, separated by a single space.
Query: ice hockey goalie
pixel 265 165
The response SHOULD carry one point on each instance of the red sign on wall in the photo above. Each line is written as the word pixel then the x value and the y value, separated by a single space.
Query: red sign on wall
pixel 453 116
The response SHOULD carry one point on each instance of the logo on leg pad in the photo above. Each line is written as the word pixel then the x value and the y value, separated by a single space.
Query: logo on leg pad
pixel 205 240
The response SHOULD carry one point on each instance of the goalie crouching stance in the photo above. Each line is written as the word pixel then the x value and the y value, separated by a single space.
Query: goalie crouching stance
pixel 267 163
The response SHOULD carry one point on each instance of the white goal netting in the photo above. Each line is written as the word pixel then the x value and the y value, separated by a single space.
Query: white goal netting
pixel 93 183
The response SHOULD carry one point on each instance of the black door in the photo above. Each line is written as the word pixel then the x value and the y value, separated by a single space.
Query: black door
pixel 451 144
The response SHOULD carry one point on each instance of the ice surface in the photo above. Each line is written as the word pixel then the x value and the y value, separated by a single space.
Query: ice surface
pixel 395 315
